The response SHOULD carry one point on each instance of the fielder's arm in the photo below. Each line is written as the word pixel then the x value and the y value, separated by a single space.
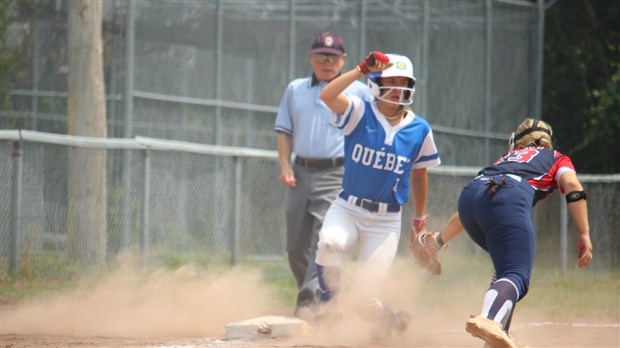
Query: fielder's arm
pixel 452 228
pixel 578 210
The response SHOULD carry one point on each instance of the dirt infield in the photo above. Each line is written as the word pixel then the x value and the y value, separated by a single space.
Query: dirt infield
pixel 185 308
pixel 543 334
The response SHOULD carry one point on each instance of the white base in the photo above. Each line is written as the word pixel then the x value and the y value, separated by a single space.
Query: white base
pixel 267 326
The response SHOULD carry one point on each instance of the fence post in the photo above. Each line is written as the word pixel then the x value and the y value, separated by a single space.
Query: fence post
pixel 219 75
pixel 488 81
pixel 237 212
pixel 128 119
pixel 146 197
pixel 563 236
pixel 16 157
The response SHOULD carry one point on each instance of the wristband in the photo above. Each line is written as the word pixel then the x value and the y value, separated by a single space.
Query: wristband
pixel 419 222
pixel 439 241
pixel 363 69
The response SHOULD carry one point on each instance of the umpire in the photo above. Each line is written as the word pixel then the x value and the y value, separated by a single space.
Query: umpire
pixel 314 178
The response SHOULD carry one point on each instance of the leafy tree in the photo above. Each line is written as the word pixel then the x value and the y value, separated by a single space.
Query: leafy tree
pixel 16 47
pixel 12 52
pixel 581 97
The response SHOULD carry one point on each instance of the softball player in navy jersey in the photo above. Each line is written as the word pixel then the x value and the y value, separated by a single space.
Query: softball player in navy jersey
pixel 494 208
pixel 388 149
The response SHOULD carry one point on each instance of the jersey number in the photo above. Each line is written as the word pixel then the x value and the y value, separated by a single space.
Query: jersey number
pixel 521 156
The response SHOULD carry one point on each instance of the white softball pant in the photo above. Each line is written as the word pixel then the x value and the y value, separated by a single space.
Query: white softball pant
pixel 375 234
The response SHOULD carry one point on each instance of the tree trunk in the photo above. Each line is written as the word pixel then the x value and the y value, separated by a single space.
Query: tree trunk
pixel 86 179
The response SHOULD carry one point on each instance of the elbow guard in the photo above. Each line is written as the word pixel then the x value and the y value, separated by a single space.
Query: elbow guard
pixel 575 196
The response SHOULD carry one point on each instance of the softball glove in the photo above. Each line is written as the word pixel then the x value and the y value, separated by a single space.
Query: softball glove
pixel 425 249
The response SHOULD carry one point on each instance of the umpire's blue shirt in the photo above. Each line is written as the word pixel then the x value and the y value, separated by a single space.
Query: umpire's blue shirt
pixel 304 116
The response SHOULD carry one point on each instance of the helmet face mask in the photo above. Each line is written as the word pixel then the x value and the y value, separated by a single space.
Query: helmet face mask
pixel 401 67
pixel 406 94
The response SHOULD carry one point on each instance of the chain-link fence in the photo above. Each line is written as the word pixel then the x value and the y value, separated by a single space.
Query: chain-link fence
pixel 182 203
pixel 214 71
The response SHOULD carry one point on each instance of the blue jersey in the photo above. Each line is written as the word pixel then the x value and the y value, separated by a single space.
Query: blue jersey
pixel 379 157
pixel 304 116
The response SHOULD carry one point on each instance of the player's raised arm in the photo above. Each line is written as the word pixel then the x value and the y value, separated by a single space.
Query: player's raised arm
pixel 332 94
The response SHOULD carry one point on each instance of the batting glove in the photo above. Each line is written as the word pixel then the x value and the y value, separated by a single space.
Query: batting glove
pixel 375 61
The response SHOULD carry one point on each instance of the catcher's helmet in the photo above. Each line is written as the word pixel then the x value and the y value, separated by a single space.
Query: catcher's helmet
pixel 401 66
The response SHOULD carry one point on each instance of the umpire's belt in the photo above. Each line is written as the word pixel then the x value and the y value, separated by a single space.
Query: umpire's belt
pixel 370 205
pixel 319 163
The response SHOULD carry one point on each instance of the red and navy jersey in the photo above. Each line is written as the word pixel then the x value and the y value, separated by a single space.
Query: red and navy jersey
pixel 541 167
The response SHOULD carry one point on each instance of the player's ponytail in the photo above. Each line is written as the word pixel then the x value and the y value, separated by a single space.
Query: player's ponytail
pixel 532 132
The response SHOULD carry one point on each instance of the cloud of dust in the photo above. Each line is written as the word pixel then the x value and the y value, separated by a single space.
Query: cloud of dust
pixel 434 304
pixel 190 303
pixel 400 292
pixel 128 303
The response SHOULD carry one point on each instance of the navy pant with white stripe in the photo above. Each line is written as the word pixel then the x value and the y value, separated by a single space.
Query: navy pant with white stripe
pixel 501 224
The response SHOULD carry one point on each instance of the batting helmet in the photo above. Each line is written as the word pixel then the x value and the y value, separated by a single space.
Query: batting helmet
pixel 401 67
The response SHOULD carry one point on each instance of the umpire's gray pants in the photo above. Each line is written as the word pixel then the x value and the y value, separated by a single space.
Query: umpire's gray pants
pixel 305 207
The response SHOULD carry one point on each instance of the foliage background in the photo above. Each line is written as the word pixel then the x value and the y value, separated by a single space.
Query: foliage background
pixel 581 94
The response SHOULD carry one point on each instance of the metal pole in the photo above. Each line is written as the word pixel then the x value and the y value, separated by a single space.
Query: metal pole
pixel 422 78
pixel 16 156
pixel 292 33
pixel 539 59
pixel 237 213
pixel 130 32
pixel 363 36
pixel 487 77
pixel 34 103
pixel 219 63
pixel 128 119
pixel 563 236
pixel 146 198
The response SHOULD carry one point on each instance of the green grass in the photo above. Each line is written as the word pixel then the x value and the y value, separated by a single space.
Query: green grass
pixel 578 293
pixel 12 290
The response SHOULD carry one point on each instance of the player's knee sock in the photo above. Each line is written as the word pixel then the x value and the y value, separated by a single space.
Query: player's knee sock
pixel 329 281
pixel 499 301
pixel 509 320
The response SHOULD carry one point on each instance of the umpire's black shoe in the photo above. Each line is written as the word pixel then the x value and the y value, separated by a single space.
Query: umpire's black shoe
pixel 402 321
pixel 306 305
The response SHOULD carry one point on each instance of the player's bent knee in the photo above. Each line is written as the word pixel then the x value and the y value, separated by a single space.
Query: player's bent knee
pixel 328 257
pixel 520 282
